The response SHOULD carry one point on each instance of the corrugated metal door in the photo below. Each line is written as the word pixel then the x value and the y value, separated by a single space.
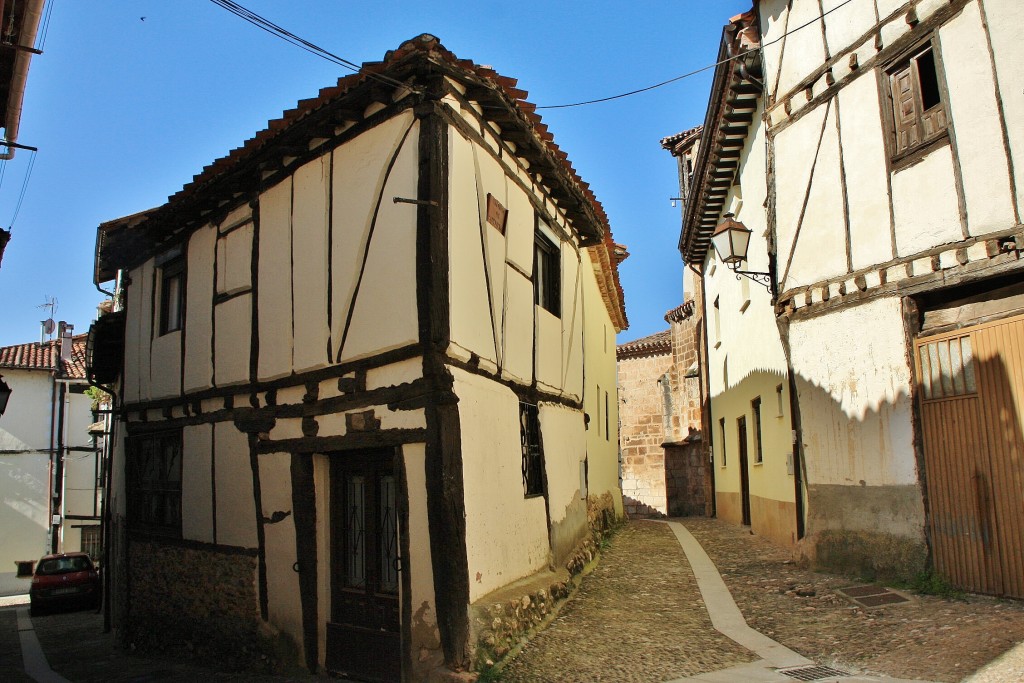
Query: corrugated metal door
pixel 971 392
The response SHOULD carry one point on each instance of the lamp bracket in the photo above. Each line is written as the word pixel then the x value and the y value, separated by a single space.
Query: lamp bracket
pixel 764 279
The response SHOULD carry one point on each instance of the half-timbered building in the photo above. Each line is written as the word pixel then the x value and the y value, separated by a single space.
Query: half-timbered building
pixel 868 151
pixel 368 376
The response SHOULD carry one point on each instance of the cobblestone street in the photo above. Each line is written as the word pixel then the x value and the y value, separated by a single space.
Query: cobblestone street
pixel 640 617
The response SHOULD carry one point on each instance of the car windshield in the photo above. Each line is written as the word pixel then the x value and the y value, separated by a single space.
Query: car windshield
pixel 63 565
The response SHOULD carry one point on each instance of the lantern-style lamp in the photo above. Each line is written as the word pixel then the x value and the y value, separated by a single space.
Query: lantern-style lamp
pixel 731 239
pixel 5 394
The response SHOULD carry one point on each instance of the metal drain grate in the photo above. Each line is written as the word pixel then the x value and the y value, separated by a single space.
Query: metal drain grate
pixel 872 596
pixel 813 673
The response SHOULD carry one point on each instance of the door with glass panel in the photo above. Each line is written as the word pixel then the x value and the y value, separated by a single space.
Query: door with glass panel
pixel 363 638
pixel 971 398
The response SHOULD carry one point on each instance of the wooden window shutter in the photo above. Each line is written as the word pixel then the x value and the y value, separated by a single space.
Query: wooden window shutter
pixel 905 108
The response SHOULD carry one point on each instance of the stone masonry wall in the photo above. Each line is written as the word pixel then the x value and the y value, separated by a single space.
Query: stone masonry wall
pixel 198 602
pixel 641 433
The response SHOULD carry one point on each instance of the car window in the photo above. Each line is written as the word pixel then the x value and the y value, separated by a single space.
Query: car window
pixel 63 565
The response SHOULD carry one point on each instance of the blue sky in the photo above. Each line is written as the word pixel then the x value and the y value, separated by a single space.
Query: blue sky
pixel 125 111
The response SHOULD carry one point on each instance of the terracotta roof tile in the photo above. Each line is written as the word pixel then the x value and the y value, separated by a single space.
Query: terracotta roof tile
pixel 656 344
pixel 43 356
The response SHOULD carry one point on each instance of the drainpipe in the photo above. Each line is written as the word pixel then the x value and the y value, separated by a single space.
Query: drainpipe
pixel 705 401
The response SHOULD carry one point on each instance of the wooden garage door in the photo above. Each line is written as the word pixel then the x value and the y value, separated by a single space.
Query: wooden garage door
pixel 971 392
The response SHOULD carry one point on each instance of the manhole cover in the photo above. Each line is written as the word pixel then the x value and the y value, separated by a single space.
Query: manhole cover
pixel 813 673
pixel 872 596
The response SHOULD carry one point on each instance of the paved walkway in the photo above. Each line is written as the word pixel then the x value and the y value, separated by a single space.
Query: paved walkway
pixel 775 659
pixel 655 610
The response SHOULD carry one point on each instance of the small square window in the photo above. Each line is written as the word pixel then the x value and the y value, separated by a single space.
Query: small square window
pixel 919 112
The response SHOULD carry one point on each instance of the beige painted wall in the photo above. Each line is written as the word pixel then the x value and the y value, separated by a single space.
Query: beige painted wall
pixel 506 533
pixel 197 483
pixel 284 607
pixel 236 512
pixel 491 295
pixel 385 315
pixel 199 311
pixel 599 369
pixel 856 415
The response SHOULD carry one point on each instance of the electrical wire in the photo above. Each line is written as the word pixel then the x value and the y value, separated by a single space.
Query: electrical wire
pixel 41 40
pixel 270 27
pixel 24 189
pixel 696 71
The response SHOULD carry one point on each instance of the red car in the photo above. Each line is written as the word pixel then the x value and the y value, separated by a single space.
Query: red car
pixel 64 579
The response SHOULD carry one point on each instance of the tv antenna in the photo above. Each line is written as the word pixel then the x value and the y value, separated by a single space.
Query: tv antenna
pixel 48 326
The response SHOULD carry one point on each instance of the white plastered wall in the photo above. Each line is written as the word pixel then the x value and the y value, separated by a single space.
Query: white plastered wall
pixel 236 512
pixel 275 292
pixel 197 483
pixel 506 533
pixel 809 223
pixel 564 452
pixel 866 168
pixel 24 477
pixel 975 120
pixel 1005 17
pixel 926 219
pixel 284 606
pixel 385 315
pixel 426 640
pixel 855 396
pixel 199 308
pixel 310 208
pixel 599 369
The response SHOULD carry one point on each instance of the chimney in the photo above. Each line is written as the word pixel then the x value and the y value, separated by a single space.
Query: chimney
pixel 66 331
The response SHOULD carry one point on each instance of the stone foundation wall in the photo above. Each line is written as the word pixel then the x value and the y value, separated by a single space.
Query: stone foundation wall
pixel 507 619
pixel 199 602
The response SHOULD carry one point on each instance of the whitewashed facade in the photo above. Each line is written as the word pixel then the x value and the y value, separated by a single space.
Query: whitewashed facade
pixel 45 446
pixel 878 177
pixel 368 344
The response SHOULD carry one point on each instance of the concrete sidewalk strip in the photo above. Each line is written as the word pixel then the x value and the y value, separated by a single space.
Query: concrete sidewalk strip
pixel 728 620
pixel 725 615
pixel 32 657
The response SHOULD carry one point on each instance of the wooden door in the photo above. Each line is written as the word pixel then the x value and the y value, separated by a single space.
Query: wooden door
pixel 971 396
pixel 741 427
pixel 363 637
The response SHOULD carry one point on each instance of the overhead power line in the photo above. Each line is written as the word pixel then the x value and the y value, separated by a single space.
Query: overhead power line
pixel 272 28
pixel 695 71
pixel 286 35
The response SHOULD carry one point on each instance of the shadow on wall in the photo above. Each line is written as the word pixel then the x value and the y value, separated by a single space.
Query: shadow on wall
pixel 638 510
pixel 862 501
pixel 23 515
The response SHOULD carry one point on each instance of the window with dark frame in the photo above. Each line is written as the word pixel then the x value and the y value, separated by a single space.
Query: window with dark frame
pixel 92 543
pixel 721 434
pixel 547 274
pixel 533 450
pixel 154 482
pixel 172 294
pixel 755 407
pixel 607 420
pixel 919 113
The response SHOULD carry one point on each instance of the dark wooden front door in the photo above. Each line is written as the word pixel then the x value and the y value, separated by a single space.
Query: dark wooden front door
pixel 363 639
pixel 741 427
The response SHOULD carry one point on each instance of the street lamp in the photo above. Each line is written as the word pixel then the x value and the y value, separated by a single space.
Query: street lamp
pixel 731 239
pixel 5 394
